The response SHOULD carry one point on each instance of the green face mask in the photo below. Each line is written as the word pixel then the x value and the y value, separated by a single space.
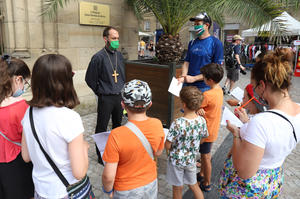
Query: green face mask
pixel 114 45
pixel 199 30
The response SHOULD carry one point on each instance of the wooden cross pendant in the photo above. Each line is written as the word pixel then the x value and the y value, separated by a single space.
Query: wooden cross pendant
pixel 115 75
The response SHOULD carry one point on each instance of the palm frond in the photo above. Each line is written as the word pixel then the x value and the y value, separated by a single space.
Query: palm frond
pixel 251 12
pixel 50 7
pixel 172 14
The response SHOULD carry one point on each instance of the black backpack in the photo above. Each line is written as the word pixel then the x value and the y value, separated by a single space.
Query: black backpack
pixel 230 60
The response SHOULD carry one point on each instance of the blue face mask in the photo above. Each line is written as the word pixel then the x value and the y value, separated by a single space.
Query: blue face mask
pixel 19 92
pixel 199 30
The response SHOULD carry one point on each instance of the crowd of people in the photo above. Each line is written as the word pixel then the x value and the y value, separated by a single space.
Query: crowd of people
pixel 44 155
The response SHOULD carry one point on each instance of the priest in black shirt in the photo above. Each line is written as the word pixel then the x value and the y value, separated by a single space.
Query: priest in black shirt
pixel 106 76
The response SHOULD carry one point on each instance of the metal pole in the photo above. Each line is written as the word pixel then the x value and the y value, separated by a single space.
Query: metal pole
pixel 172 73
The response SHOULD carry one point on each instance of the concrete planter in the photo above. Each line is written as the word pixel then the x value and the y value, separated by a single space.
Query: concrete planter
pixel 165 106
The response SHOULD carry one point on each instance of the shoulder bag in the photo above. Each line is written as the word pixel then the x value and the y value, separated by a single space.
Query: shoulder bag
pixel 141 137
pixel 80 190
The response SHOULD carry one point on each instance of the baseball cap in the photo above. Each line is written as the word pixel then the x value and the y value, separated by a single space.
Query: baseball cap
pixel 237 37
pixel 134 91
pixel 203 16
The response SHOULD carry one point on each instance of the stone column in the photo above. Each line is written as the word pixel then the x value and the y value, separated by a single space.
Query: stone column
pixel 20 20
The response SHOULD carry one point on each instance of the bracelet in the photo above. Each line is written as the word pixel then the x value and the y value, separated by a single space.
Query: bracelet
pixel 237 137
pixel 107 192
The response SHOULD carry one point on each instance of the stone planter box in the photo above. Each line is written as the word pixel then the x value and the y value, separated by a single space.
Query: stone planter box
pixel 165 106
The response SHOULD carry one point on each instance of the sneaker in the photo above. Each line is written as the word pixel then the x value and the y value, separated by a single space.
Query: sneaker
pixel 229 93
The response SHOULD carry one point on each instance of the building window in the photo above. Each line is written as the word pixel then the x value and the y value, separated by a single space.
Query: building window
pixel 147 25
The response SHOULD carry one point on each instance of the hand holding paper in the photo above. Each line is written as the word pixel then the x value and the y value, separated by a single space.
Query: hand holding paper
pixel 175 87
pixel 228 115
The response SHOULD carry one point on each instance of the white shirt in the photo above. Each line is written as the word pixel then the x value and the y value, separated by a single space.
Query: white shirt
pixel 274 134
pixel 55 128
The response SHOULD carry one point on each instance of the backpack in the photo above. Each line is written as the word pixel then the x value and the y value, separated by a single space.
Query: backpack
pixel 230 60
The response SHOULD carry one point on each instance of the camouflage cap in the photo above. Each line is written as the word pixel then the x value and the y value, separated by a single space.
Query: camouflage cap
pixel 136 90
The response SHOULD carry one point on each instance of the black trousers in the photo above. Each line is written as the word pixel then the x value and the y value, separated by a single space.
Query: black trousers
pixel 108 105
pixel 16 179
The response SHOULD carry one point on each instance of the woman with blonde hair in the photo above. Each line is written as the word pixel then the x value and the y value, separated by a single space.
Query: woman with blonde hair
pixel 261 145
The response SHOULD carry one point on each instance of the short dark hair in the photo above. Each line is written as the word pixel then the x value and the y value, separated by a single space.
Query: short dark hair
pixel 52 82
pixel 106 31
pixel 9 67
pixel 192 97
pixel 213 71
pixel 138 110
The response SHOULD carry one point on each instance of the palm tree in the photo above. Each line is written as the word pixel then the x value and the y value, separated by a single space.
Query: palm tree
pixel 173 14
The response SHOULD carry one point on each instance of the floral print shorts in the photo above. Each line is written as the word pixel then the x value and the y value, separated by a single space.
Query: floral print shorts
pixel 266 183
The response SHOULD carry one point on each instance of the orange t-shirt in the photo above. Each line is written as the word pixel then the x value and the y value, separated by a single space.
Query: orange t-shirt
pixel 212 105
pixel 135 166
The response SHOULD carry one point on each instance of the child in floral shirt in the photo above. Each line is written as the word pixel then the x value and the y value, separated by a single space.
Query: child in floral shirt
pixel 183 143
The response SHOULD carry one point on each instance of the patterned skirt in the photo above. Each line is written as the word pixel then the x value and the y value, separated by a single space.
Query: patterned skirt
pixel 266 183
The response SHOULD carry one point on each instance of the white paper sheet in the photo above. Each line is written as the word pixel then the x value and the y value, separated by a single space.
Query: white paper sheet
pixel 238 93
pixel 166 131
pixel 101 140
pixel 228 115
pixel 174 87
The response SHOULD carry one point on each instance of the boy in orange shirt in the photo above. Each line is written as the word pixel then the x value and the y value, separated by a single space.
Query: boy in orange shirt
pixel 211 109
pixel 129 171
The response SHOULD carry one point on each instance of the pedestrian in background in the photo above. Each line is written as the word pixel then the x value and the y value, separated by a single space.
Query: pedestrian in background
pixel 235 67
pixel 15 174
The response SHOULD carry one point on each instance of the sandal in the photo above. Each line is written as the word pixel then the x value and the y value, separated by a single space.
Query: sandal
pixel 205 188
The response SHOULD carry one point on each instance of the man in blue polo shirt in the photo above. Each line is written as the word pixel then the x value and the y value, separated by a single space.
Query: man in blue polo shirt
pixel 203 50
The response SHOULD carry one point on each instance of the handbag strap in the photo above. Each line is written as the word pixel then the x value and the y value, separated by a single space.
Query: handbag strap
pixel 141 137
pixel 56 170
pixel 286 120
pixel 17 143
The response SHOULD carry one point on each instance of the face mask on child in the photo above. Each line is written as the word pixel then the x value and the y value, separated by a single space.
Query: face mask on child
pixel 19 92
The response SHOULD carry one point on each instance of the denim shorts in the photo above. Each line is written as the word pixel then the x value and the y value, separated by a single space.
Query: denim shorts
pixel 148 191
pixel 178 176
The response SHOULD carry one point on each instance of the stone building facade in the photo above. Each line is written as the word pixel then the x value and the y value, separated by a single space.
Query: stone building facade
pixel 27 34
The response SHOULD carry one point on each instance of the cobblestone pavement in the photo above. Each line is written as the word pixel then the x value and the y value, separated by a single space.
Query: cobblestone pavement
pixel 291 166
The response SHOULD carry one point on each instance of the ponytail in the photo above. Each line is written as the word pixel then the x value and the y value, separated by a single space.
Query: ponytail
pixel 275 68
